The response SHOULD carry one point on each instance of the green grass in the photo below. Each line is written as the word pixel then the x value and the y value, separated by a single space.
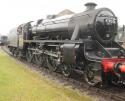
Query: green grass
pixel 18 83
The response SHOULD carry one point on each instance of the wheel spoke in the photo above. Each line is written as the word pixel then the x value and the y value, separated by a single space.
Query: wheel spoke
pixel 51 63
pixel 38 59
pixel 66 70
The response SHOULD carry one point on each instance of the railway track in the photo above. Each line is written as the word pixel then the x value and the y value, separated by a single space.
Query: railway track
pixel 110 93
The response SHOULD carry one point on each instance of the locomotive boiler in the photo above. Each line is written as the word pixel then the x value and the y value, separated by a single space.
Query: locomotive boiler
pixel 100 24
pixel 82 42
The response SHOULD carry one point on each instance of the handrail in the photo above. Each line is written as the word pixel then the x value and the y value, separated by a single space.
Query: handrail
pixel 104 49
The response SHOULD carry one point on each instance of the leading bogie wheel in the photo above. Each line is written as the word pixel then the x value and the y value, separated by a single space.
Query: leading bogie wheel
pixel 92 74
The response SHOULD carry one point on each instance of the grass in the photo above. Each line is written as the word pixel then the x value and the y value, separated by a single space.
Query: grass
pixel 18 83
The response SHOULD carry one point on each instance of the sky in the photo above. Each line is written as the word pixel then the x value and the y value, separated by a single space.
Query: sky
pixel 16 12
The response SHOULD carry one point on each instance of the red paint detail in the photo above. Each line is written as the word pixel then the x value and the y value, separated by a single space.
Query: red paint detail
pixel 122 68
pixel 108 64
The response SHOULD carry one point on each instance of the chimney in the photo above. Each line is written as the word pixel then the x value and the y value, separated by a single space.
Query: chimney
pixel 90 6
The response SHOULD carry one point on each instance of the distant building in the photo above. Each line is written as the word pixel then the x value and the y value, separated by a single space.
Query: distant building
pixel 121 34
pixel 64 12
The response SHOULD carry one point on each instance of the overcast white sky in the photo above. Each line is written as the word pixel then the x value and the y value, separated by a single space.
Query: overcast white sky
pixel 15 12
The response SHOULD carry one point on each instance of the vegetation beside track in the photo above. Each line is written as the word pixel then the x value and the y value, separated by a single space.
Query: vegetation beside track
pixel 18 83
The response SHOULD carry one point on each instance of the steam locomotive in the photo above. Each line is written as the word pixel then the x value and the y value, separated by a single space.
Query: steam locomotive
pixel 82 42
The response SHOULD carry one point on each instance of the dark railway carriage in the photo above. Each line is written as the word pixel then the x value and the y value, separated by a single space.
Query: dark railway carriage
pixel 82 42
pixel 3 40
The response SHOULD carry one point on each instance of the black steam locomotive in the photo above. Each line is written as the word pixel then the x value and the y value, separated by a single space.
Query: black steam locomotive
pixel 82 43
